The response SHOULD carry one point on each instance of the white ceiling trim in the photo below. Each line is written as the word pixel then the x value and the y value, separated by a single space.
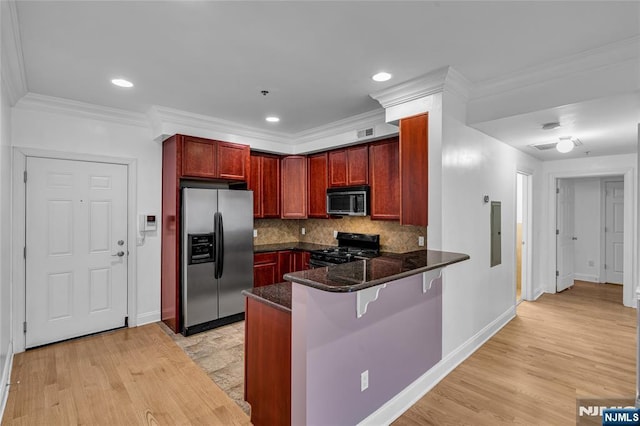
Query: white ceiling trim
pixel 419 87
pixel 349 124
pixel 36 102
pixel 13 71
pixel 604 56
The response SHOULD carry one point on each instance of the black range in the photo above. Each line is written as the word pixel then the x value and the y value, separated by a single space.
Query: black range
pixel 351 246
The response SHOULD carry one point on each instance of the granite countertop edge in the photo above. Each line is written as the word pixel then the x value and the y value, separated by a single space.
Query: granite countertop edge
pixel 372 283
pixel 267 301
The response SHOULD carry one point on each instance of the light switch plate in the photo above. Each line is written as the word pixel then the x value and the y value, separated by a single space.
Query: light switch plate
pixel 255 233
pixel 335 234
pixel 364 380
pixel 303 231
pixel 421 241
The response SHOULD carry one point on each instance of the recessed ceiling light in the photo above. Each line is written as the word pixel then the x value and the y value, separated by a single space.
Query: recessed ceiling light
pixel 565 145
pixel 121 82
pixel 272 119
pixel 381 76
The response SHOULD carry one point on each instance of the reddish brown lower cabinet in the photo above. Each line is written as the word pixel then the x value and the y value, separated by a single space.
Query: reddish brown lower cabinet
pixel 267 367
pixel 414 170
pixel 265 269
pixel 384 177
pixel 301 260
pixel 285 263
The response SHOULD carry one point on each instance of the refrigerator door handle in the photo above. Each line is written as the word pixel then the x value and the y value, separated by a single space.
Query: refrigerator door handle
pixel 220 245
pixel 216 248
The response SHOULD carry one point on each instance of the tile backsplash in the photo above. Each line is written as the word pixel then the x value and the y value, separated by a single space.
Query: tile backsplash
pixel 393 236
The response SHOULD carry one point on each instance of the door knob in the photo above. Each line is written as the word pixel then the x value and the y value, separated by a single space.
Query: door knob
pixel 574 238
pixel 120 242
pixel 119 254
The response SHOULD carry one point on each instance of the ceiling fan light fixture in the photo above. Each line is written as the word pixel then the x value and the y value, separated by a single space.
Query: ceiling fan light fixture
pixel 565 145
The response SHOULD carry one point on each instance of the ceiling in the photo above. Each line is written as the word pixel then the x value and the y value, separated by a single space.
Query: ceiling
pixel 315 58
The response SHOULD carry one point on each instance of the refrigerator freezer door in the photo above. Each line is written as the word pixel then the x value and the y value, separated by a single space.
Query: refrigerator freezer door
pixel 199 287
pixel 236 208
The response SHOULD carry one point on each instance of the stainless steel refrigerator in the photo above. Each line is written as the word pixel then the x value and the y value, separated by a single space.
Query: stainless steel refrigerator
pixel 217 256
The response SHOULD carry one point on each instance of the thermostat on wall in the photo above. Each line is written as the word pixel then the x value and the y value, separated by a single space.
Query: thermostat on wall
pixel 148 223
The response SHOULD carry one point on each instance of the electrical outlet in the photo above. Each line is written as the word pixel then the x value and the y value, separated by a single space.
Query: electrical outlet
pixel 364 380
pixel 255 233
pixel 421 241
pixel 303 231
pixel 335 234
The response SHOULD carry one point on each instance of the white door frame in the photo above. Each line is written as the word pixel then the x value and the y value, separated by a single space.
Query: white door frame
pixel 19 231
pixel 527 233
pixel 629 194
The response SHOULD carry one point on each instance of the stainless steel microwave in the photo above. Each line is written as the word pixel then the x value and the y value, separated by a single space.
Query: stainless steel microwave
pixel 348 201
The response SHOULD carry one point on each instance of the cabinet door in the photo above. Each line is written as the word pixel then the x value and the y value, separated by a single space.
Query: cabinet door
pixel 294 187
pixel 317 185
pixel 265 275
pixel 357 165
pixel 337 168
pixel 270 186
pixel 414 172
pixel 198 158
pixel 255 184
pixel 285 264
pixel 233 161
pixel 265 269
pixel 301 260
pixel 385 179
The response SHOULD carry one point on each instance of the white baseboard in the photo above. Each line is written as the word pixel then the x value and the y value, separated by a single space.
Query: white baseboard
pixel 6 377
pixel 587 277
pixel 400 403
pixel 537 293
pixel 147 318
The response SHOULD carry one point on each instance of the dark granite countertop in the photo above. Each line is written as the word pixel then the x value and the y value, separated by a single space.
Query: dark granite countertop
pixel 276 295
pixel 263 248
pixel 354 276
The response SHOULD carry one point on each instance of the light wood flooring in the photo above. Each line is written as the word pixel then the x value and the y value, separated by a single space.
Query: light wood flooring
pixel 579 343
pixel 135 376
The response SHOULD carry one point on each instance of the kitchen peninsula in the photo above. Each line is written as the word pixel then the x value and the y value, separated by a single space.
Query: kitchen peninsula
pixel 349 337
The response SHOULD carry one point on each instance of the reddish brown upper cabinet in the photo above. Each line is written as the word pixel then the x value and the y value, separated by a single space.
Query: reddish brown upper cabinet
pixel 209 159
pixel 191 158
pixel 384 178
pixel 349 166
pixel 265 183
pixel 317 184
pixel 414 170
pixel 199 158
pixel 233 161
pixel 293 187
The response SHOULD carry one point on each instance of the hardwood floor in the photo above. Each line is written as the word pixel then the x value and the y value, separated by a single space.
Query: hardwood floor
pixel 126 377
pixel 579 343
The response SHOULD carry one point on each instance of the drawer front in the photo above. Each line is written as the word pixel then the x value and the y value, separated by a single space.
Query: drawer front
pixel 263 258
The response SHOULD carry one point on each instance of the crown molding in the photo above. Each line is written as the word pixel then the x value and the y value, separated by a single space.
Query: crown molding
pixel 162 117
pixel 608 55
pixel 349 124
pixel 457 83
pixel 36 102
pixel 419 87
pixel 12 61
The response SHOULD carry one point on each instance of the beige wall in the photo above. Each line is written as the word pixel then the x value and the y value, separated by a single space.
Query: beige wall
pixel 393 236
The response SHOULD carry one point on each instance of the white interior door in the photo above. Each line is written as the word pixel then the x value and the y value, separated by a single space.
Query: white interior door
pixel 614 231
pixel 76 248
pixel 564 234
